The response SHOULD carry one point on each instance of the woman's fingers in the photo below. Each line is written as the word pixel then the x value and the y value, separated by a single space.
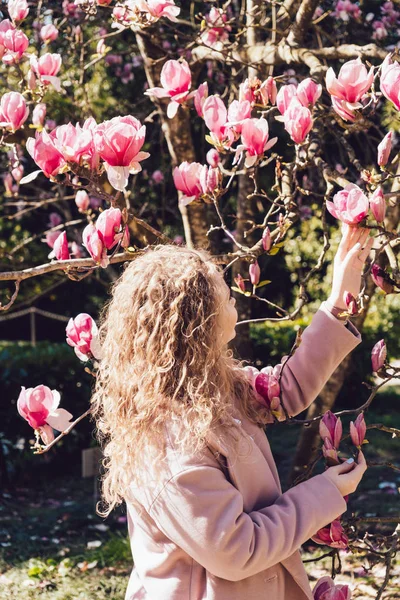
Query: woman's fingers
pixel 348 236
pixel 366 250
pixel 364 236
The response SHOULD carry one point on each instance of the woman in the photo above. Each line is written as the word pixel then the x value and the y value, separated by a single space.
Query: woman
pixel 182 431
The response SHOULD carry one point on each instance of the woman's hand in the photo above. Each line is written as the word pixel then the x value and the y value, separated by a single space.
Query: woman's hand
pixel 347 476
pixel 348 264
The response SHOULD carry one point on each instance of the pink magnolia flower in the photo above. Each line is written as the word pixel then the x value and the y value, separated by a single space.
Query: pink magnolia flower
pixel 82 200
pixel 240 282
pixel 159 8
pixel 212 157
pixel 200 97
pixel 298 121
pixel 285 96
pixel 82 335
pixel 216 117
pixel 176 80
pixel 237 113
pixel 73 142
pixel 18 9
pixel 266 384
pixel 247 90
pixel 108 226
pixel 255 140
pixel 76 250
pixel 45 154
pixel 157 176
pixel 13 42
pixel 350 205
pixel 380 31
pixel 61 247
pixel 384 149
pixel 352 82
pixel 344 109
pixel 378 355
pixel 332 535
pixel 39 114
pixel 18 172
pixel 119 142
pixel 330 426
pixel 92 242
pixel 49 33
pixel 187 180
pixel 13 111
pixel 46 68
pixel 217 30
pixel 254 272
pixel 39 406
pixel 326 589
pixel 390 81
pixel 268 91
pixel 358 429
pixel 345 10
pixel 210 179
pixel 54 219
pixel 377 203
pixel 308 92
pixel 266 239
pixel 330 453
pixel 381 279
pixel 51 237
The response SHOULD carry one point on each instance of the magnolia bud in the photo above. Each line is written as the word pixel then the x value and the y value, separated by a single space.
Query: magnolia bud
pixel 381 279
pixel 358 430
pixel 240 282
pixel 378 204
pixel 266 239
pixel 254 272
pixel 212 157
pixel 378 355
pixel 384 149
pixel 31 79
pixel 351 303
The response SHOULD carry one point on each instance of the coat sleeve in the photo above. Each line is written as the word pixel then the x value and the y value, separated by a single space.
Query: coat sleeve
pixel 325 343
pixel 202 512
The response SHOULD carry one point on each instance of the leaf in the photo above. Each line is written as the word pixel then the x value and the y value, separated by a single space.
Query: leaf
pixel 35 571
pixel 273 251
pixel 264 282
pixel 236 289
pixel 30 177
pixel 365 442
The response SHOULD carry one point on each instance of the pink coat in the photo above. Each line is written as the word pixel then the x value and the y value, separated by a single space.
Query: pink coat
pixel 204 531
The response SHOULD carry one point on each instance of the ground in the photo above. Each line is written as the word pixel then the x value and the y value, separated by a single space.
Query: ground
pixel 54 547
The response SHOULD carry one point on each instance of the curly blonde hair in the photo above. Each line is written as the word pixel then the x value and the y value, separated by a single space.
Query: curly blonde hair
pixel 160 359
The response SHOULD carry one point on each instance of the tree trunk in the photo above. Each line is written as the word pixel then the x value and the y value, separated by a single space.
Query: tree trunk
pixel 178 135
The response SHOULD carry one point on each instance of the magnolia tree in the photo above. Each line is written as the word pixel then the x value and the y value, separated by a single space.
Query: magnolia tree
pixel 266 116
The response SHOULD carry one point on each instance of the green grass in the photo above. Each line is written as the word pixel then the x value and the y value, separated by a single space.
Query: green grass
pixel 44 552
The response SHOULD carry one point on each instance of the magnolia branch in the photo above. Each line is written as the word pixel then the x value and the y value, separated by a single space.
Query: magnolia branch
pixel 272 55
pixel 39 449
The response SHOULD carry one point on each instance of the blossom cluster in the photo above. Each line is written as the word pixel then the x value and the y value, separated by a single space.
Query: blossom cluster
pixel 39 406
